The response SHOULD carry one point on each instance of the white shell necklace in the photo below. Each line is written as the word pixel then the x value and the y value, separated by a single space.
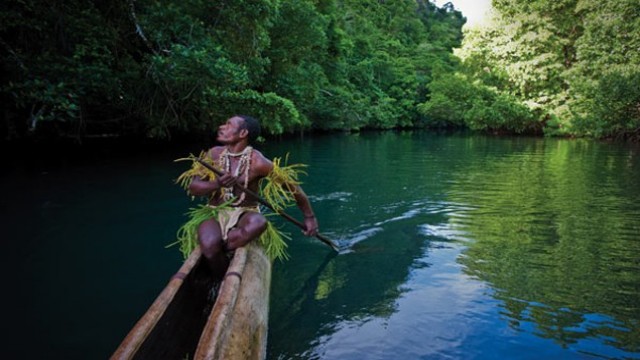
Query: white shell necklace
pixel 244 165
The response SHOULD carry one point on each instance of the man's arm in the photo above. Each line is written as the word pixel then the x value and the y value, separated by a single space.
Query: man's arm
pixel 264 167
pixel 199 187
pixel 310 221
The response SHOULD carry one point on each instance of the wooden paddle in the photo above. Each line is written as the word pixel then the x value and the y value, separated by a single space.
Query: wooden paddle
pixel 321 237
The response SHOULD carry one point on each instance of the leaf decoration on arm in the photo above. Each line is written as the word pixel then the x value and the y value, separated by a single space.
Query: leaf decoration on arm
pixel 196 170
pixel 278 188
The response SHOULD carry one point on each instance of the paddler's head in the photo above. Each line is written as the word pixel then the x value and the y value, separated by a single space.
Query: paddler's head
pixel 239 128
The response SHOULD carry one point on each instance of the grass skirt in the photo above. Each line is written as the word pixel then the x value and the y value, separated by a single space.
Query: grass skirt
pixel 272 239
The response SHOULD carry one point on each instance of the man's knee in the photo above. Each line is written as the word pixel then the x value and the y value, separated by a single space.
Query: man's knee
pixel 209 246
pixel 258 222
pixel 250 227
pixel 210 240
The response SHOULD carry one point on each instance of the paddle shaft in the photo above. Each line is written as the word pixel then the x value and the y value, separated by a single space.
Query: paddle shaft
pixel 262 201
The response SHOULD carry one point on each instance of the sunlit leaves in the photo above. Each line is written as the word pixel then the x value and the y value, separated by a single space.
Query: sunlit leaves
pixel 458 101
pixel 556 58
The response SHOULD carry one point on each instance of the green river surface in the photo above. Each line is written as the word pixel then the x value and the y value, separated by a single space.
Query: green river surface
pixel 456 246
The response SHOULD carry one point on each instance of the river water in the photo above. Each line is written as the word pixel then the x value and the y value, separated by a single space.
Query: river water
pixel 455 247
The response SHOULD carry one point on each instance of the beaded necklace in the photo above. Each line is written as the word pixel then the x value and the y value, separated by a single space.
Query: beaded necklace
pixel 244 164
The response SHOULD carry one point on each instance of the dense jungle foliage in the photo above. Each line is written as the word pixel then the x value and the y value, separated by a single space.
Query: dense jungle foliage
pixel 161 68
pixel 562 67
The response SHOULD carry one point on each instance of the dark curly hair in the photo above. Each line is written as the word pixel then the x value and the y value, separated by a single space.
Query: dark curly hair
pixel 253 127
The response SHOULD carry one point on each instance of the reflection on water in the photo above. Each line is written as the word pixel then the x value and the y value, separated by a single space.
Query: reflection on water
pixel 558 241
pixel 466 247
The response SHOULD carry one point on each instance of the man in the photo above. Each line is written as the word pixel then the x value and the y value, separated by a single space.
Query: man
pixel 237 225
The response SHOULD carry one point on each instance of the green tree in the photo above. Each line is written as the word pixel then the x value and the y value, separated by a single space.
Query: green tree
pixel 570 62
pixel 160 68
pixel 62 62
pixel 605 80
pixel 458 101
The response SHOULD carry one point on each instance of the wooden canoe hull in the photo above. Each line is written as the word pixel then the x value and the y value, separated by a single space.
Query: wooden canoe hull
pixel 182 322
pixel 172 325
pixel 238 324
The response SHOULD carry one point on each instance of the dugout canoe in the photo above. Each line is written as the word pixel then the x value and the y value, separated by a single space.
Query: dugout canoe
pixel 183 324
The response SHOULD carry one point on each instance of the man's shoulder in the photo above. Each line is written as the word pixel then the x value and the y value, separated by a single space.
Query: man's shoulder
pixel 258 155
pixel 215 151
pixel 261 162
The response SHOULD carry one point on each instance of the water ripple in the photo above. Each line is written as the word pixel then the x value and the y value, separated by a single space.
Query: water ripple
pixel 445 231
pixel 339 196
pixel 348 241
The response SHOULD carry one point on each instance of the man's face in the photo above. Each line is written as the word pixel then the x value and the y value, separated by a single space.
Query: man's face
pixel 232 131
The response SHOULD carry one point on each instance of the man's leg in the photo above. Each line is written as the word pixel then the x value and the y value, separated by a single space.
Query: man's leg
pixel 210 239
pixel 249 227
